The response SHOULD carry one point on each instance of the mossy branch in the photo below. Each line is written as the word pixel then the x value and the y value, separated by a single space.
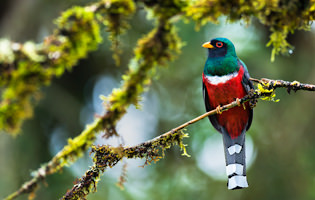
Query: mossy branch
pixel 156 48
pixel 281 16
pixel 273 84
pixel 153 150
pixel 24 68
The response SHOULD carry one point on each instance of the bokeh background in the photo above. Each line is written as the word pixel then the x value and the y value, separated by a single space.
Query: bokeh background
pixel 280 143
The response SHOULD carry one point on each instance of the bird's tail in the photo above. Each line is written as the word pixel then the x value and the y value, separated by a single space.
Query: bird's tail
pixel 234 150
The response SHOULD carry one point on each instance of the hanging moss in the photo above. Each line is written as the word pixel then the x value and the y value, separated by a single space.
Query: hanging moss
pixel 155 49
pixel 115 18
pixel 281 16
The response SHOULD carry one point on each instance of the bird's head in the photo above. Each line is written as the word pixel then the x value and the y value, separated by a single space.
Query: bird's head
pixel 220 47
pixel 222 58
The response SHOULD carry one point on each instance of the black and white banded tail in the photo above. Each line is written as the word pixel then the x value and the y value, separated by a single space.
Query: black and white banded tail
pixel 234 150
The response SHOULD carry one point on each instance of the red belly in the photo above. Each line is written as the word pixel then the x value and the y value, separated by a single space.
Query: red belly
pixel 235 119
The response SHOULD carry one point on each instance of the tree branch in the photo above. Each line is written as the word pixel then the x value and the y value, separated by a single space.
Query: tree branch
pixel 106 156
pixel 280 16
pixel 295 85
pixel 24 68
pixel 156 48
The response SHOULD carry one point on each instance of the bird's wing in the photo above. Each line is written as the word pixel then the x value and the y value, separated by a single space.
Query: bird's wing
pixel 248 85
pixel 212 118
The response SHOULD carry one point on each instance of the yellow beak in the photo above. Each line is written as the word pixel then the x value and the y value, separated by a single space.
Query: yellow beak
pixel 208 45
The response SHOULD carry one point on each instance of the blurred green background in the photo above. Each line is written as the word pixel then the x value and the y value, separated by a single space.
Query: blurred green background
pixel 280 143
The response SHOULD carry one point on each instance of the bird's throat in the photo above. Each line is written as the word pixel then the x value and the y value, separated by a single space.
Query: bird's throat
pixel 221 66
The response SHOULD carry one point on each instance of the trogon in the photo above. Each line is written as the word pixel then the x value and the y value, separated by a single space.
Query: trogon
pixel 225 79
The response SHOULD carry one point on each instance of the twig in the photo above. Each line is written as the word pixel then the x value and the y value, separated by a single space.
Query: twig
pixel 295 85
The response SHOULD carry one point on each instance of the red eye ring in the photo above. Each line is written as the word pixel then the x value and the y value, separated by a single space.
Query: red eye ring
pixel 219 44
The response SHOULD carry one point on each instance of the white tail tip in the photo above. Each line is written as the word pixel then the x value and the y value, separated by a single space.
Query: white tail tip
pixel 236 182
pixel 234 169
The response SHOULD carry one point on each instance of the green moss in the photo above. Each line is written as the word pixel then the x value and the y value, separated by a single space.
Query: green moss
pixel 152 151
pixel 281 16
pixel 84 185
pixel 77 34
pixel 106 156
pixel 165 10
pixel 114 17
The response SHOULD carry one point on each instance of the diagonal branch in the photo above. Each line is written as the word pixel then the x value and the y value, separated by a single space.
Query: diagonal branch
pixel 24 68
pixel 154 49
pixel 106 156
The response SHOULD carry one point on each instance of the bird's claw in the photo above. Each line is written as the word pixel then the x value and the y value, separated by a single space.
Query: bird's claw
pixel 238 101
pixel 218 110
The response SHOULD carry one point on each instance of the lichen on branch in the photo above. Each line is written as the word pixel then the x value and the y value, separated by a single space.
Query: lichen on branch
pixel 106 156
pixel 155 49
pixel 29 66
pixel 114 17
pixel 24 68
pixel 281 16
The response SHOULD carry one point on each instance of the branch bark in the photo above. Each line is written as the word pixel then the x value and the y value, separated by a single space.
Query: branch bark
pixel 295 85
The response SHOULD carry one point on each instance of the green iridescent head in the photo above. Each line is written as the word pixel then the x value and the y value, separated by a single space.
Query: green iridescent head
pixel 222 58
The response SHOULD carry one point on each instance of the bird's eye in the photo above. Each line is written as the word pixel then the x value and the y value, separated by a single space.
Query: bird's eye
pixel 219 44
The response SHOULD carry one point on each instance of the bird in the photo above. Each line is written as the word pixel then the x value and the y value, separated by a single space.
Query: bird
pixel 225 79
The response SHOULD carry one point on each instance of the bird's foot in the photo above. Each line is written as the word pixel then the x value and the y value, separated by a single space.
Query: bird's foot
pixel 218 110
pixel 239 103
